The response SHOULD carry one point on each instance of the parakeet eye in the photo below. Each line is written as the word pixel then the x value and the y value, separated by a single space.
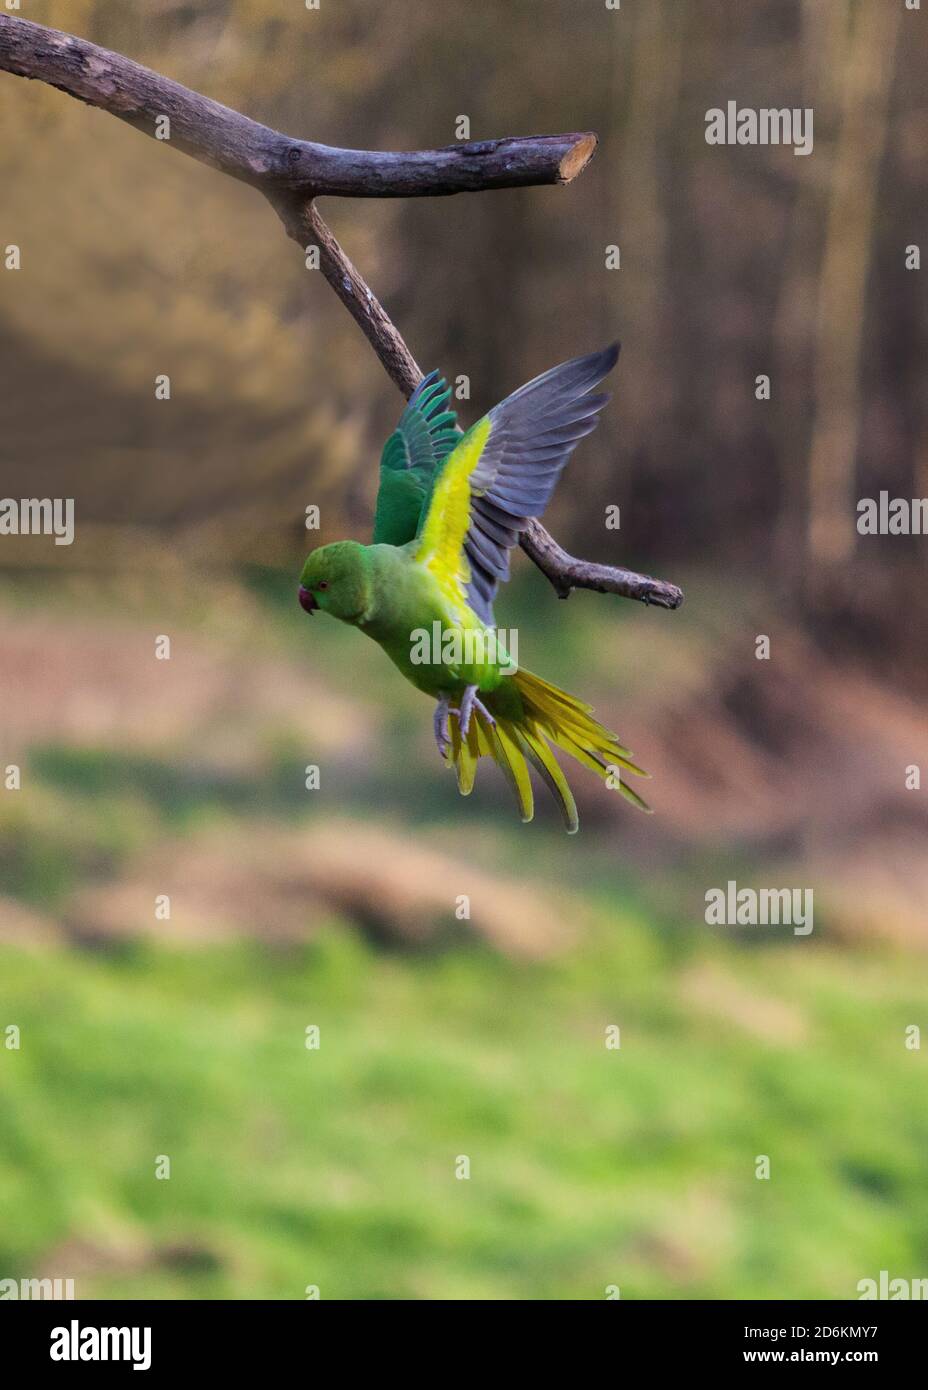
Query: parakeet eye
pixel 324 584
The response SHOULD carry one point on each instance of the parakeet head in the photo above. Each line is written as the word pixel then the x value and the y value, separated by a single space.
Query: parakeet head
pixel 335 579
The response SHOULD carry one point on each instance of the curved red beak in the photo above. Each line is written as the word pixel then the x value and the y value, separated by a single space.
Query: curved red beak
pixel 307 602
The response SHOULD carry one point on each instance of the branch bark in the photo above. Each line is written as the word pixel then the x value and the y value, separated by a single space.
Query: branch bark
pixel 291 173
pixel 566 572
pixel 305 226
pixel 268 159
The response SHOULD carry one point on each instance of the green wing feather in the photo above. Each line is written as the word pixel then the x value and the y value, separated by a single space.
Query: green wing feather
pixel 425 436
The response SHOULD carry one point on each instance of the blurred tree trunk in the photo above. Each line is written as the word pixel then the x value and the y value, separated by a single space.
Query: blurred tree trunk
pixel 823 30
pixel 866 64
pixel 644 96
pixel 638 218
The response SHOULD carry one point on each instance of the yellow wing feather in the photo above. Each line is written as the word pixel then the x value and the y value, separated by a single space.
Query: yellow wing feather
pixel 441 547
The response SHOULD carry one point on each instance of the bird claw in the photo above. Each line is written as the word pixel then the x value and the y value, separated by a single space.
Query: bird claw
pixel 440 725
pixel 443 712
pixel 470 702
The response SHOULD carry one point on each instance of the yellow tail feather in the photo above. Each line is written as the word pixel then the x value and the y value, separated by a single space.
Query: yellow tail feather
pixel 548 716
pixel 508 754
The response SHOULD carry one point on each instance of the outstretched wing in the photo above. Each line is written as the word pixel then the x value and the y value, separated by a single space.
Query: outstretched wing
pixel 425 436
pixel 502 473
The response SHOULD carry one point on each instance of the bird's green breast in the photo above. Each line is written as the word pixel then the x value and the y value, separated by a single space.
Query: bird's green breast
pixel 436 648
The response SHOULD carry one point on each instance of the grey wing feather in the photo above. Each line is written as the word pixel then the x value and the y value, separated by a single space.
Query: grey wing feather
pixel 533 433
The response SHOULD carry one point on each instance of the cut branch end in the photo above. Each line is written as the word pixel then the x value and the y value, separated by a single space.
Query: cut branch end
pixel 576 159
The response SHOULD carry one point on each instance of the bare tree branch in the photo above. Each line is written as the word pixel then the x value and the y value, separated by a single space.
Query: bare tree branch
pixel 566 572
pixel 304 224
pixel 291 173
pixel 266 158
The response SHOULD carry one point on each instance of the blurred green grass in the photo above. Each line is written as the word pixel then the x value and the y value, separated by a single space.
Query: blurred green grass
pixel 335 1166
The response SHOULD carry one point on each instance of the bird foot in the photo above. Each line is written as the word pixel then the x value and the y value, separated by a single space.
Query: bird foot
pixel 470 702
pixel 440 724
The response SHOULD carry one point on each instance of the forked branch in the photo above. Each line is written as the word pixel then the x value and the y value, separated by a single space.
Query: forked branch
pixel 291 173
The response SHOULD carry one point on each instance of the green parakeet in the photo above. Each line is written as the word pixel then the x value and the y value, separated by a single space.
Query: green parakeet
pixel 450 508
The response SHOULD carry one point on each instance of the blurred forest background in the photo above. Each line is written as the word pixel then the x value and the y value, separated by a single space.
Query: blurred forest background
pixel 335 908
